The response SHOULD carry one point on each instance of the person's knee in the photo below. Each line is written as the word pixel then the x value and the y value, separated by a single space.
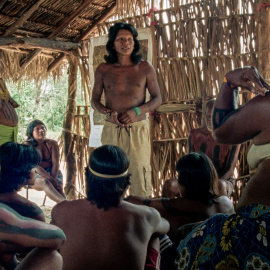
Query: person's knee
pixel 55 259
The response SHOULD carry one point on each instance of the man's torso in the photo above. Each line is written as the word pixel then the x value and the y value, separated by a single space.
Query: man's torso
pixel 113 239
pixel 125 86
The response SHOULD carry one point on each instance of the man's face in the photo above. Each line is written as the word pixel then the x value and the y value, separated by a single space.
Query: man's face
pixel 208 117
pixel 124 42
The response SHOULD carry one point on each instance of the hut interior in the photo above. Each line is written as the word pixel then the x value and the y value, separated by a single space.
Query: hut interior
pixel 194 43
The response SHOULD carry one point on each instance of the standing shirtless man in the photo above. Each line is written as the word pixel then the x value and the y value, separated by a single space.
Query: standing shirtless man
pixel 124 79
pixel 8 115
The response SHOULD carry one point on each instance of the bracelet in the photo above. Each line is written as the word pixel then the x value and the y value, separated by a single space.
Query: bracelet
pixel 107 111
pixel 225 80
pixel 137 111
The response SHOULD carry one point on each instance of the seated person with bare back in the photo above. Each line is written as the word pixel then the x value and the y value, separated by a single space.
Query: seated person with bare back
pixel 198 198
pixel 18 233
pixel 103 231
pixel 224 157
pixel 8 115
pixel 18 168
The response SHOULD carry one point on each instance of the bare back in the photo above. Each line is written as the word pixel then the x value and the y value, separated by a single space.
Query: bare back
pixel 22 205
pixel 8 115
pixel 113 239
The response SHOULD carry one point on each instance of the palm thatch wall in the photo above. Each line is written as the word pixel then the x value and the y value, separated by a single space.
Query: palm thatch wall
pixel 195 44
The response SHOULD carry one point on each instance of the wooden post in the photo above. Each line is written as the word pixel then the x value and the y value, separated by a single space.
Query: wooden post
pixel 264 39
pixel 68 126
pixel 155 182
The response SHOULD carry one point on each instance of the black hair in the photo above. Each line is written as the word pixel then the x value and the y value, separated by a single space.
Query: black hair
pixel 107 192
pixel 112 57
pixel 29 132
pixel 17 161
pixel 198 175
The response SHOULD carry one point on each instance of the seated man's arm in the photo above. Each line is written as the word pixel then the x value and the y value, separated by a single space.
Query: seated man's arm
pixel 160 225
pixel 27 232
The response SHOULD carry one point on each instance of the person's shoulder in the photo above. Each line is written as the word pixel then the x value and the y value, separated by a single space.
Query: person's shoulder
pixel 225 205
pixel 143 211
pixel 62 205
pixel 66 206
pixel 103 67
pixel 52 142
pixel 145 64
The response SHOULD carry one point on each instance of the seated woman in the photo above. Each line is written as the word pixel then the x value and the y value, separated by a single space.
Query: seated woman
pixel 240 240
pixel 49 176
pixel 199 197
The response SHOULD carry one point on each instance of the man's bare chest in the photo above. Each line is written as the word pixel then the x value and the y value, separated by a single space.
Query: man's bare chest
pixel 121 78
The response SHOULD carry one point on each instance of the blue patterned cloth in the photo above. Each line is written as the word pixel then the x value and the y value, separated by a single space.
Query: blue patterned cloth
pixel 59 178
pixel 224 242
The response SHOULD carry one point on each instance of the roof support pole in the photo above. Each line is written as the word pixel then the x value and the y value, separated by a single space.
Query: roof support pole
pixel 68 126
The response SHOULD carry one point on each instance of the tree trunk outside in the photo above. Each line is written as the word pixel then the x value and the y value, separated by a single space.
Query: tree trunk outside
pixel 68 125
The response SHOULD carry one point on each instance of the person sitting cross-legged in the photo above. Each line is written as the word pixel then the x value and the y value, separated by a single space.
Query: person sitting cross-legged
pixel 103 231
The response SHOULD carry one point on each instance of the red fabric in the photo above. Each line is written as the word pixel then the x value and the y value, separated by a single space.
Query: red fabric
pixel 263 6
pixel 152 259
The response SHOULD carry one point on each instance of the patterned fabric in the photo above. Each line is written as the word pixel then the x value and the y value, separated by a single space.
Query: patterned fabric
pixel 238 241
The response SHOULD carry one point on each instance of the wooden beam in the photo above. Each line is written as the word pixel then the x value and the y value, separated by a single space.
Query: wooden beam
pixel 43 54
pixel 56 62
pixel 12 29
pixel 104 15
pixel 107 12
pixel 26 61
pixel 67 21
pixel 42 43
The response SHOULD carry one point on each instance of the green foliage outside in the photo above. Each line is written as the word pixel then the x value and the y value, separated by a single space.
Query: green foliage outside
pixel 46 101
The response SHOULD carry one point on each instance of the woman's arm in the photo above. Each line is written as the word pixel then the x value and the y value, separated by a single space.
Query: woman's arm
pixel 233 125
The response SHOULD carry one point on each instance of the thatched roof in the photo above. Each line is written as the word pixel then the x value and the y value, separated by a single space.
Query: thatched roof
pixel 36 35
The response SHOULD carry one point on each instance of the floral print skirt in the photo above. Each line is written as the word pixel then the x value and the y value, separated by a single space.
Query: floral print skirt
pixel 229 242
